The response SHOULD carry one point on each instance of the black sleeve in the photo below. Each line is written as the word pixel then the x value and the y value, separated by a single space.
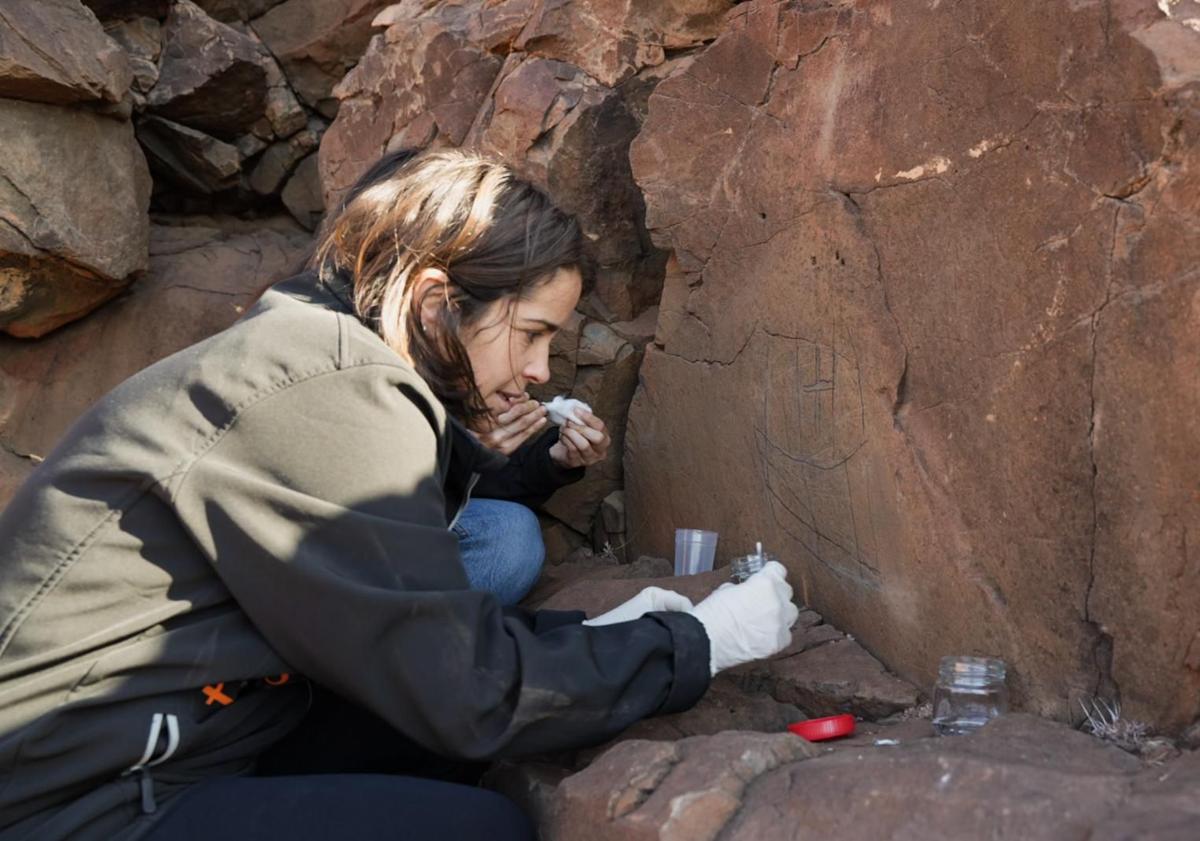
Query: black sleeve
pixel 530 476
pixel 335 546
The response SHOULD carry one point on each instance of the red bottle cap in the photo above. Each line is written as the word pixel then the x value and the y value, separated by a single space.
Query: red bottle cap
pixel 820 729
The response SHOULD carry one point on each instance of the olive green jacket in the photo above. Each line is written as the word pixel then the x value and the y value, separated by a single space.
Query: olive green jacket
pixel 265 508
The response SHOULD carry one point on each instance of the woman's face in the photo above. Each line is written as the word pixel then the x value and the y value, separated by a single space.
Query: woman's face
pixel 510 347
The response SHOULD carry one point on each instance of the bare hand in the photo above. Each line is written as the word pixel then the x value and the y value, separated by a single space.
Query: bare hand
pixel 581 444
pixel 514 426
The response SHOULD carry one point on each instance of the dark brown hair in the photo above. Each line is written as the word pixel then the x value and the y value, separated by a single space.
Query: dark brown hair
pixel 495 236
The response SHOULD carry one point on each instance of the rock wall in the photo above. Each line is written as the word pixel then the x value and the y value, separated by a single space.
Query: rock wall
pixel 557 90
pixel 930 330
pixel 914 284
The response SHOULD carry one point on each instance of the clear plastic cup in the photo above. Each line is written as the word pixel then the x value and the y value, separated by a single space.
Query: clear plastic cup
pixel 695 550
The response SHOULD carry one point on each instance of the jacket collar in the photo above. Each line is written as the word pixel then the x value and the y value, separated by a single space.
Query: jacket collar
pixel 467 454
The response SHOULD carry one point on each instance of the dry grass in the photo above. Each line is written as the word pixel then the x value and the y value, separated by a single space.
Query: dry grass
pixel 1103 720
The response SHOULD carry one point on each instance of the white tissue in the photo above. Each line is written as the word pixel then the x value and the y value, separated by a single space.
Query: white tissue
pixel 562 409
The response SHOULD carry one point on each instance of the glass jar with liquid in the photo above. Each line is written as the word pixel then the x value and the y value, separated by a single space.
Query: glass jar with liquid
pixel 970 692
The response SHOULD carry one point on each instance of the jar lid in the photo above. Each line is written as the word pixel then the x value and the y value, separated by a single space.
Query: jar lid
pixel 820 729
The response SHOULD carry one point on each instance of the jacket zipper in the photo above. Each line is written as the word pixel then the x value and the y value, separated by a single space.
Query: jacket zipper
pixel 466 498
pixel 145 763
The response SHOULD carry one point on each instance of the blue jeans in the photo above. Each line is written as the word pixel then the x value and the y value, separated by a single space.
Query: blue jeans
pixel 501 547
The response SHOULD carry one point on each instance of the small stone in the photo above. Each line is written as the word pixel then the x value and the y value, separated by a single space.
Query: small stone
pixel 599 344
pixel 280 159
pixel 250 144
pixel 302 193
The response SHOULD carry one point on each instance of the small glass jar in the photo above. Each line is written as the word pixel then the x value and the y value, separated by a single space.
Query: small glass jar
pixel 970 692
pixel 745 566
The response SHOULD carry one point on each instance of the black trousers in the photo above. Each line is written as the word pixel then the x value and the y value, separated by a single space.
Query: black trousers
pixel 345 774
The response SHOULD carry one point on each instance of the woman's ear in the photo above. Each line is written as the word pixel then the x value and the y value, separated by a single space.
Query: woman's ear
pixel 430 294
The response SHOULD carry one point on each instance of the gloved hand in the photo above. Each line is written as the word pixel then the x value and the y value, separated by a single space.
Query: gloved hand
pixel 647 601
pixel 748 621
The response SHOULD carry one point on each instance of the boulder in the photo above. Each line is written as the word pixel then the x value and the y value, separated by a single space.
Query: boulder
pixel 56 51
pixel 668 790
pixel 317 41
pixel 830 675
pixel 141 38
pixel 929 321
pixel 211 76
pixel 282 111
pixel 74 190
pixel 202 277
pixel 613 40
pixel 281 158
pixel 386 105
pixel 302 193
pixel 188 158
pixel 1018 778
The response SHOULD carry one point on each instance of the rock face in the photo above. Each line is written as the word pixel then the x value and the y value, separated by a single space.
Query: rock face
pixel 931 321
pixel 384 104
pixel 558 92
pixel 667 790
pixel 317 41
pixel 200 279
pixel 74 190
pixel 85 64
pixel 1019 778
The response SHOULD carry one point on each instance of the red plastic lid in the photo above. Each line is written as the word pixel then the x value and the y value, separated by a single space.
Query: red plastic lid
pixel 820 729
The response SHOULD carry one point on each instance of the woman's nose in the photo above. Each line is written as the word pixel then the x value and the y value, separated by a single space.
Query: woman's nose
pixel 538 369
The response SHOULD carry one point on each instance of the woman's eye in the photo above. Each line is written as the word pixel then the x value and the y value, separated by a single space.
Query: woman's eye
pixel 532 336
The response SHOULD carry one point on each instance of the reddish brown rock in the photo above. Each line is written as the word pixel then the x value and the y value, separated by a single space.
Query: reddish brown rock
pixel 613 40
pixel 667 790
pixel 211 76
pixel 565 132
pixel 584 565
pixel 595 596
pixel 897 341
pixel 1019 778
pixel 302 193
pixel 201 278
pixel 188 158
pixel 834 678
pixel 73 196
pixel 141 38
pixel 317 41
pixel 281 158
pixel 386 105
pixel 56 51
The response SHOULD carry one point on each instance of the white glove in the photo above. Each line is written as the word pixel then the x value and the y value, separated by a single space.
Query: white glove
pixel 562 409
pixel 748 621
pixel 647 601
